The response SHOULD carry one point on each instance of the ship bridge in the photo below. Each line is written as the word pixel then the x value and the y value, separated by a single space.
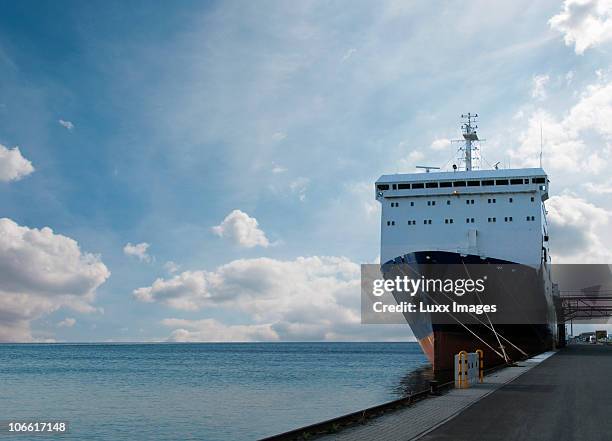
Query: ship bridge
pixel 530 180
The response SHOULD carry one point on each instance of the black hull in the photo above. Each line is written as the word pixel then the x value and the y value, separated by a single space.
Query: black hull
pixel 440 342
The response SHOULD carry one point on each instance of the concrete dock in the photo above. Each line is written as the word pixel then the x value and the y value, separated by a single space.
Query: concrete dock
pixel 556 396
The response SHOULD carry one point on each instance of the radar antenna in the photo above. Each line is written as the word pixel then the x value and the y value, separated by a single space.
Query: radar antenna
pixel 469 134
pixel 469 151
pixel 427 168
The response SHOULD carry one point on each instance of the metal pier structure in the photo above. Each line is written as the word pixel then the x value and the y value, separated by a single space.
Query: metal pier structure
pixel 584 305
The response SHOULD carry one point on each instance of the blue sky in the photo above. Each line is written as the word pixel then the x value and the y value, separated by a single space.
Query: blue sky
pixel 151 123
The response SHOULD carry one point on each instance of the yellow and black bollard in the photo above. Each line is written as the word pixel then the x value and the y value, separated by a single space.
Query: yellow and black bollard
pixel 480 364
pixel 462 370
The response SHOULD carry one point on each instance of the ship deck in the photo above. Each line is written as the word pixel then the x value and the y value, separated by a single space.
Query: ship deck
pixel 555 396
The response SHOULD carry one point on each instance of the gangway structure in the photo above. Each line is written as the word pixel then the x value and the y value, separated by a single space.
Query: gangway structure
pixel 591 303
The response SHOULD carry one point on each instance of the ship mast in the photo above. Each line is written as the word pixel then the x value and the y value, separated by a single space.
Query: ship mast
pixel 469 134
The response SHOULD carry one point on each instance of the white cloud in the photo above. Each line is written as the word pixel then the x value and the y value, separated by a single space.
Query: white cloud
pixel 186 291
pixel 68 322
pixel 171 267
pixel 278 136
pixel 575 230
pixel 601 74
pixel 138 250
pixel 299 187
pixel 13 166
pixel 278 169
pixel 212 330
pixel 309 297
pixel 242 229
pixel 440 144
pixel 565 148
pixel 593 111
pixel 562 148
pixel 67 124
pixel 584 23
pixel 408 163
pixel 538 89
pixel 599 188
pixel 415 155
pixel 348 54
pixel 40 272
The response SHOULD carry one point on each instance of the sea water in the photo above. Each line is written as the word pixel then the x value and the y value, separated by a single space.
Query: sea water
pixel 207 391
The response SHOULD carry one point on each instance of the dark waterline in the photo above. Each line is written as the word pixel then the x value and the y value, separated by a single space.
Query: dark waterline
pixel 212 391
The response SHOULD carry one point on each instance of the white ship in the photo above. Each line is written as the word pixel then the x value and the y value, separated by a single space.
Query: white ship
pixel 471 216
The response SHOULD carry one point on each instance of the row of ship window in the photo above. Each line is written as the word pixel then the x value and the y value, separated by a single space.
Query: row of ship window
pixel 467 202
pixel 483 183
pixel 468 220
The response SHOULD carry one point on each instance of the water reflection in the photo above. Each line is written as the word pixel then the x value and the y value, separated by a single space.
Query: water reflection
pixel 414 381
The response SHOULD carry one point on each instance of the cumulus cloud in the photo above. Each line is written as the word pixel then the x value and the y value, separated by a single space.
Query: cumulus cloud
pixel 242 229
pixel 66 124
pixel 171 267
pixel 565 148
pixel 440 144
pixel 68 322
pixel 538 88
pixel 40 272
pixel 574 225
pixel 594 110
pixel 584 23
pixel 138 250
pixel 186 291
pixel 309 298
pixel 13 166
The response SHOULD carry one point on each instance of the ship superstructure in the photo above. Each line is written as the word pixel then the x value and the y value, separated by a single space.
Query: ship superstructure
pixel 468 216
pixel 479 212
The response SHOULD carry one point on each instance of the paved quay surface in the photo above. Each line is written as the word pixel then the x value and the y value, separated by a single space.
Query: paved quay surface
pixel 418 419
pixel 568 397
